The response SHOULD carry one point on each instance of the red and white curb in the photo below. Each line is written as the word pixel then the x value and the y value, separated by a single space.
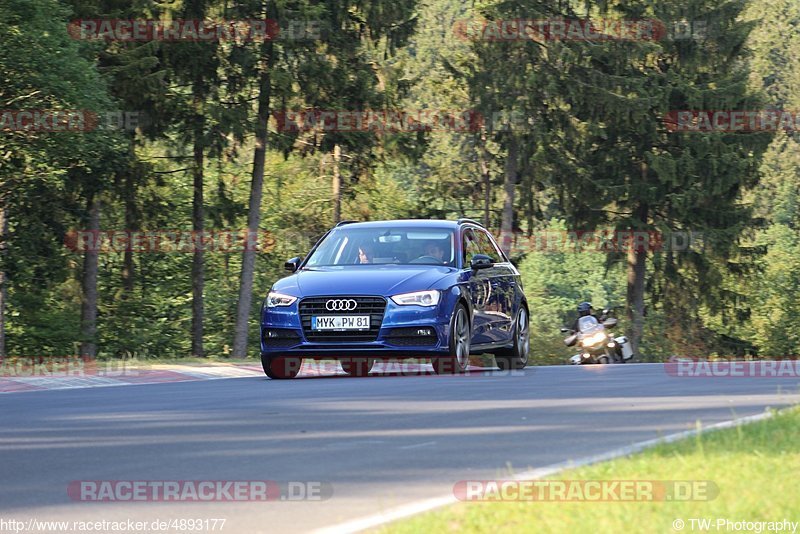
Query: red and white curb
pixel 127 377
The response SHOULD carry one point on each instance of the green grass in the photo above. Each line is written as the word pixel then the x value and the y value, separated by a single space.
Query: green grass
pixel 756 468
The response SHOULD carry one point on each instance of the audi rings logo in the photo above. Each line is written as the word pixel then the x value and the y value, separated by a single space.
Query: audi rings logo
pixel 341 305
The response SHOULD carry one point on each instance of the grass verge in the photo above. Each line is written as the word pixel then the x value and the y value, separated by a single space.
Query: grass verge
pixel 756 468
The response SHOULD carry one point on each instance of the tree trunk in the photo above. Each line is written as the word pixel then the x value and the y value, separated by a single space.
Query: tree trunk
pixel 509 184
pixel 528 193
pixel 483 164
pixel 131 225
pixel 337 185
pixel 89 284
pixel 3 293
pixel 637 272
pixel 197 222
pixel 254 206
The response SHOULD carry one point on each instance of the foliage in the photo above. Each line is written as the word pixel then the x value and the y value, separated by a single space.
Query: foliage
pixel 590 148
pixel 556 281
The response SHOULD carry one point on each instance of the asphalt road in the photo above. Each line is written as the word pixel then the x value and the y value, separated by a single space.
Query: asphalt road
pixel 379 441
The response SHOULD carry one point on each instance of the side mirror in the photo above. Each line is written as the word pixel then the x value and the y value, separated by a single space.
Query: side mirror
pixel 480 261
pixel 292 265
pixel 611 322
pixel 564 330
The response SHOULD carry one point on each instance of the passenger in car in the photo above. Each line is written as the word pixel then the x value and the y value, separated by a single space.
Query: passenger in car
pixel 364 254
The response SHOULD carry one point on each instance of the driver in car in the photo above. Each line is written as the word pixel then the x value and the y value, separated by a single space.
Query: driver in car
pixel 434 250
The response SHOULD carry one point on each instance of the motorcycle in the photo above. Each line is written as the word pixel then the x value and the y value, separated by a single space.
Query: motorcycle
pixel 597 343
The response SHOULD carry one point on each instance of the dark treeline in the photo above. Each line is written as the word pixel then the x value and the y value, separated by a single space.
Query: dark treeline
pixel 562 134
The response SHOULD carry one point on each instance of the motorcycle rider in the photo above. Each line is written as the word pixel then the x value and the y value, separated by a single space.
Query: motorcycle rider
pixel 585 309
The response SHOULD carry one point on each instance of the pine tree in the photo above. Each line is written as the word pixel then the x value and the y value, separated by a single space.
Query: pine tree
pixel 333 74
pixel 45 177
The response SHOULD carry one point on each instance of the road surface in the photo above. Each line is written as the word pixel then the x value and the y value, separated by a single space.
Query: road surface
pixel 379 442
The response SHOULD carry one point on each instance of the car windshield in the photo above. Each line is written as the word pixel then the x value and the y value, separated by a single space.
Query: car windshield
pixel 396 245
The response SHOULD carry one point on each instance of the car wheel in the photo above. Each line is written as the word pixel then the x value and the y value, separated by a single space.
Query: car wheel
pixel 517 356
pixel 357 366
pixel 457 360
pixel 280 367
pixel 603 360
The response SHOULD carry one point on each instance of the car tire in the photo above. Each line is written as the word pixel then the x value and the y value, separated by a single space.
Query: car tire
pixel 516 357
pixel 603 360
pixel 357 366
pixel 457 361
pixel 280 367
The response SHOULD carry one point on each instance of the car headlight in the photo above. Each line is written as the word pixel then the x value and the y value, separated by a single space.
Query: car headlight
pixel 417 298
pixel 275 300
pixel 594 339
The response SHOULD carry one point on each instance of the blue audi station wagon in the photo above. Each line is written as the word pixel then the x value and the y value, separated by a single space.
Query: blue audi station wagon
pixel 438 290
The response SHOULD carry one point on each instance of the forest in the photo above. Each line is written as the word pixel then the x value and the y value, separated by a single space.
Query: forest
pixel 155 174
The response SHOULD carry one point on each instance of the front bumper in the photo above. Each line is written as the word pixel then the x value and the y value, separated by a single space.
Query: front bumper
pixel 400 334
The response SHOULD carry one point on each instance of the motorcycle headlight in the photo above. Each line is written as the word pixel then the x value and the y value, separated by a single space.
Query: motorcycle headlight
pixel 594 339
pixel 417 298
pixel 276 300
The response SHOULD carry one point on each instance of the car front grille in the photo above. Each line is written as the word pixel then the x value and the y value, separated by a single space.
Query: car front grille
pixel 315 306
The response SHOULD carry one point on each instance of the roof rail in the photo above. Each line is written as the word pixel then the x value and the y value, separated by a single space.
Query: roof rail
pixel 342 223
pixel 467 220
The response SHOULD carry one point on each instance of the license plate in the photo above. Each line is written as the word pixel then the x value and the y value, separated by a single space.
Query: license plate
pixel 340 322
